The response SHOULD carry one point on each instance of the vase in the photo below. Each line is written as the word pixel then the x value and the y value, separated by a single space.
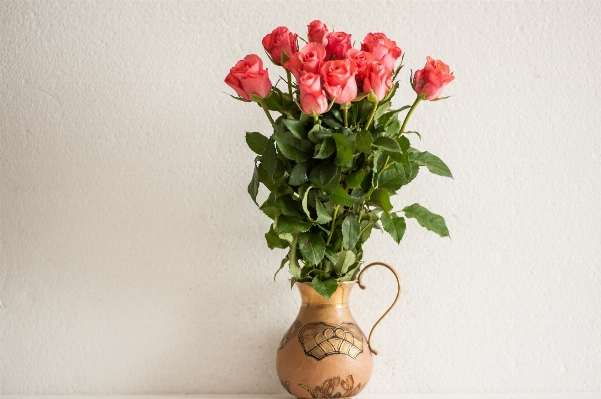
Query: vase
pixel 324 353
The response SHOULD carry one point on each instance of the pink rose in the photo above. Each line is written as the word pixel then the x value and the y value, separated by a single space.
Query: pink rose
pixel 339 80
pixel 248 77
pixel 383 49
pixel 362 59
pixel 431 80
pixel 378 79
pixel 317 32
pixel 312 96
pixel 309 59
pixel 280 39
pixel 338 44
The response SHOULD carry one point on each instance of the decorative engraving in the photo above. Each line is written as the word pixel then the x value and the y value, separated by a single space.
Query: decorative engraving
pixel 286 385
pixel 329 388
pixel 320 340
pixel 292 331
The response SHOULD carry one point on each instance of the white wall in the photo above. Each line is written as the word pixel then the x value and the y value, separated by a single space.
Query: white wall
pixel 133 261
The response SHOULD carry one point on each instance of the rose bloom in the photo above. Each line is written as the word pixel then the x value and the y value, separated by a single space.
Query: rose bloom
pixel 312 96
pixel 248 77
pixel 362 59
pixel 339 80
pixel 431 80
pixel 280 39
pixel 338 44
pixel 317 32
pixel 308 59
pixel 378 79
pixel 382 48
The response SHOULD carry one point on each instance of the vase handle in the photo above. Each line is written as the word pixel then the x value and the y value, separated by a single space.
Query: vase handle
pixel 398 294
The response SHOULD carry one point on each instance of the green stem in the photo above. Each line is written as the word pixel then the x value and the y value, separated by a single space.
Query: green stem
pixel 371 116
pixel 289 83
pixel 417 100
pixel 333 224
pixel 345 116
pixel 268 114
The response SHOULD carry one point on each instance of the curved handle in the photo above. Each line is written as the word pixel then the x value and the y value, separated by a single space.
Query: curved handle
pixel 398 294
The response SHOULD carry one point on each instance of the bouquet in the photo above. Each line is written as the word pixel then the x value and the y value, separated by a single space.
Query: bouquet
pixel 338 151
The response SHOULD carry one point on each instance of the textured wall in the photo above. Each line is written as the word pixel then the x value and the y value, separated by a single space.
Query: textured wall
pixel 133 261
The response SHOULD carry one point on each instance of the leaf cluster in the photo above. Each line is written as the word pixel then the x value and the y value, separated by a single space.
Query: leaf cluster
pixel 330 179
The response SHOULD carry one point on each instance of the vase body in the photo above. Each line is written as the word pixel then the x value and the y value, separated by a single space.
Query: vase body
pixel 324 354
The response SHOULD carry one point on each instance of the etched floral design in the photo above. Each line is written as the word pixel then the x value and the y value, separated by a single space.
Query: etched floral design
pixel 334 388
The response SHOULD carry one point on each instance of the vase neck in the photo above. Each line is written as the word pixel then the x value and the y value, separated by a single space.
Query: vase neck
pixel 339 299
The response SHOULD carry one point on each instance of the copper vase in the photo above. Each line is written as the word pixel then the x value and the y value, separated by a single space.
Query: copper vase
pixel 324 354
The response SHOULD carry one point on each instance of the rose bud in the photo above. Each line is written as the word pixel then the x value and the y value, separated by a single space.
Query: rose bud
pixel 279 40
pixel 248 77
pixel 339 80
pixel 317 32
pixel 308 59
pixel 377 79
pixel 338 45
pixel 383 49
pixel 312 96
pixel 431 80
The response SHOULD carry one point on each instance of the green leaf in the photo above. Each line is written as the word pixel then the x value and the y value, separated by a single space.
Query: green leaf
pixel 296 127
pixel 432 162
pixel 290 224
pixel 343 261
pixel 387 144
pixel 341 197
pixel 253 186
pixel 350 231
pixel 293 148
pixel 282 263
pixel 327 148
pixel 292 282
pixel 294 267
pixel 312 247
pixel 269 207
pixel 298 175
pixel 344 149
pixel 274 101
pixel 273 240
pixel 256 142
pixel 427 219
pixel 381 199
pixel 331 121
pixel 323 133
pixel 322 214
pixel 382 109
pixel 333 185
pixel 380 158
pixel 325 288
pixel 270 162
pixel 363 142
pixel 354 179
pixel 394 225
pixel 290 206
pixel 323 174
pixel 392 178
pixel 393 128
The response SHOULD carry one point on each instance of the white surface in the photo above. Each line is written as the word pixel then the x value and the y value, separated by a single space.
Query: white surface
pixel 133 261
pixel 564 395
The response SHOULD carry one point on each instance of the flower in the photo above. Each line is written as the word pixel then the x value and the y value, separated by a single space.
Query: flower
pixel 248 77
pixel 308 59
pixel 339 80
pixel 382 48
pixel 378 79
pixel 338 44
pixel 279 40
pixel 432 79
pixel 317 31
pixel 362 59
pixel 312 96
